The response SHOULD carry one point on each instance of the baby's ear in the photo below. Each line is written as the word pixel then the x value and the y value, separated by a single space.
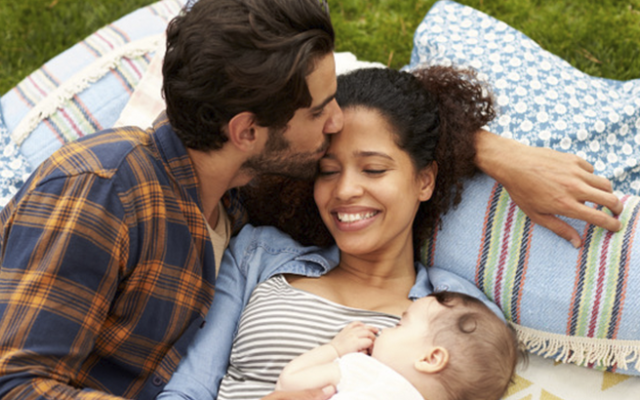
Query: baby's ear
pixel 434 360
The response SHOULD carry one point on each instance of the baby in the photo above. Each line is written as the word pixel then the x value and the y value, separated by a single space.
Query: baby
pixel 447 346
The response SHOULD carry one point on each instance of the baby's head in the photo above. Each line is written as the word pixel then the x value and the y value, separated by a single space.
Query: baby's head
pixel 451 346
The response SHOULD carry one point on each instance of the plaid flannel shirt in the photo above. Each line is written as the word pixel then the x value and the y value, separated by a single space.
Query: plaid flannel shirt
pixel 107 268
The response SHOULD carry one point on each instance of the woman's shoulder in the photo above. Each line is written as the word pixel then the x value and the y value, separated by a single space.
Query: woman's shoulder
pixel 269 238
pixel 268 246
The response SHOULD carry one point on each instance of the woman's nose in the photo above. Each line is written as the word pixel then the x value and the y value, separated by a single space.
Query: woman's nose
pixel 348 186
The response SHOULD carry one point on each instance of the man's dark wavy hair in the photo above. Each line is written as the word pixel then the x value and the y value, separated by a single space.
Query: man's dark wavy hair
pixel 225 57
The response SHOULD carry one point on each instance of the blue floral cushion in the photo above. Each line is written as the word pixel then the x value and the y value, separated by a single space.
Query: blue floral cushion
pixel 542 100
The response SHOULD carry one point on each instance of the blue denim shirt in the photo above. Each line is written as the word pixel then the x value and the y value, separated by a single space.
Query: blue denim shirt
pixel 254 256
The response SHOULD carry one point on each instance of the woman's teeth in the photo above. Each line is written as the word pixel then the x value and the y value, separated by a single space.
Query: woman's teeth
pixel 343 217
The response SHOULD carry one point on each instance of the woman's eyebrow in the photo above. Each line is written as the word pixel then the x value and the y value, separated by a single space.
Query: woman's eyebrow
pixel 372 154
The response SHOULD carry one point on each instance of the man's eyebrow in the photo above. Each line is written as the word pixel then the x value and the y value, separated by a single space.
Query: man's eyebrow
pixel 323 104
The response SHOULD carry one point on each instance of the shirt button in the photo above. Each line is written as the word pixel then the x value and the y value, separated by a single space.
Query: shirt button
pixel 203 324
pixel 157 381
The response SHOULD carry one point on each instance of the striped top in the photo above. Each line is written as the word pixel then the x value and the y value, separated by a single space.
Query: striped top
pixel 279 323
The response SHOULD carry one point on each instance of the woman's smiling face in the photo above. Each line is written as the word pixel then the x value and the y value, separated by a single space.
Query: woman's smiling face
pixel 368 190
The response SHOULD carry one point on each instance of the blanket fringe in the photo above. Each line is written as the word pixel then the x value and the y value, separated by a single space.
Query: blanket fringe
pixel 582 351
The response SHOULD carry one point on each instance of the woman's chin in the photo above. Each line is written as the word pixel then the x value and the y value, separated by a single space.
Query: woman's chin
pixel 355 246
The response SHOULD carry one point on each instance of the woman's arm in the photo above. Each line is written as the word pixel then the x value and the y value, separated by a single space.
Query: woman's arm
pixel 205 363
pixel 545 183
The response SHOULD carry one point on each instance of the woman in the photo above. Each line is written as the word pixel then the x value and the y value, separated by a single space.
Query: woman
pixel 386 179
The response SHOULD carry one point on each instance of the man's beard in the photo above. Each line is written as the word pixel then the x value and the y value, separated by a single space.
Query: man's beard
pixel 277 159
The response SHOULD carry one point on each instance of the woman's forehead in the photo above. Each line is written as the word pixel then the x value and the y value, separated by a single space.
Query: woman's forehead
pixel 364 125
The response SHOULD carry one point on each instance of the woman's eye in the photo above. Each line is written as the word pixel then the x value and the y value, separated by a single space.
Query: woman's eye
pixel 326 173
pixel 375 171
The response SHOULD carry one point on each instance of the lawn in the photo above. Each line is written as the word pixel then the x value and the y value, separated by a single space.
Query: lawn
pixel 600 37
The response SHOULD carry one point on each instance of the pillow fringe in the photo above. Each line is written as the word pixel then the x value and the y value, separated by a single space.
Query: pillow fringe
pixel 81 81
pixel 583 351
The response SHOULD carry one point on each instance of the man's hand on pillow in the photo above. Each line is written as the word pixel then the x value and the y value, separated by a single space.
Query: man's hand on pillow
pixel 545 183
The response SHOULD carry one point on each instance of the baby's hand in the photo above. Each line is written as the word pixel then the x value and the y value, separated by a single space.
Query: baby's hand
pixel 355 337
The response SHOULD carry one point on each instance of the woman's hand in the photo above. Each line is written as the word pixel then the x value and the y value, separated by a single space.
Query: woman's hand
pixel 311 394
pixel 545 183
pixel 355 337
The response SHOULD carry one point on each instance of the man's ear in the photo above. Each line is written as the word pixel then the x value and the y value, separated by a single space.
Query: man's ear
pixel 434 360
pixel 244 133
pixel 427 181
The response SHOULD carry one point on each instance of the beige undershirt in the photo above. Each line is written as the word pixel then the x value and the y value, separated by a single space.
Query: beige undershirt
pixel 220 235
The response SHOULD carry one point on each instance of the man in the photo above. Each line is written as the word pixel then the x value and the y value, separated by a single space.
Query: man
pixel 108 265
pixel 109 251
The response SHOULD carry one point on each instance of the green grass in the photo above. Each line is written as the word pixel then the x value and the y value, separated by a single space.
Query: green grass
pixel 599 37
pixel 34 31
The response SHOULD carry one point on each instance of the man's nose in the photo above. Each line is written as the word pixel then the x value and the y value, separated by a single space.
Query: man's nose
pixel 335 121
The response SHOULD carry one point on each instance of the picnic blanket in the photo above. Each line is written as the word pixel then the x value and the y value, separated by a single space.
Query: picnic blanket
pixel 573 306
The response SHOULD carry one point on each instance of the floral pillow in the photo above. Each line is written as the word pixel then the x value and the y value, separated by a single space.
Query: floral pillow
pixel 542 100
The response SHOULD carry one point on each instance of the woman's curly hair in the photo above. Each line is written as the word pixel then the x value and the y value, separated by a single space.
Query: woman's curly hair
pixel 435 113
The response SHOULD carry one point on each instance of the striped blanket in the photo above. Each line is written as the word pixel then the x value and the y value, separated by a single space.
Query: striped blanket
pixel 573 305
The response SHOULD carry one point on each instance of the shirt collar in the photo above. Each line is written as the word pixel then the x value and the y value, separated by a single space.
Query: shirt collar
pixel 326 258
pixel 423 286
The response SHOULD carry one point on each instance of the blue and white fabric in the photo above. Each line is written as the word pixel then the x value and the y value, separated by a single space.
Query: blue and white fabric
pixel 14 168
pixel 542 100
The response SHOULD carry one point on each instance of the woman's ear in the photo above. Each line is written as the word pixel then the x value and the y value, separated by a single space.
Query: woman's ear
pixel 427 181
pixel 244 133
pixel 434 360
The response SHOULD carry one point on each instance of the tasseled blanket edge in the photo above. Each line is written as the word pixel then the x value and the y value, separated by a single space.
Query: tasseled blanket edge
pixel 582 351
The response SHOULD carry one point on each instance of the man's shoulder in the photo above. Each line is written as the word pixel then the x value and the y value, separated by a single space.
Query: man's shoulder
pixel 109 149
pixel 105 154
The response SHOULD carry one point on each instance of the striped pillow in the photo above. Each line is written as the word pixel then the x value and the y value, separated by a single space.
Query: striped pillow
pixel 83 90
